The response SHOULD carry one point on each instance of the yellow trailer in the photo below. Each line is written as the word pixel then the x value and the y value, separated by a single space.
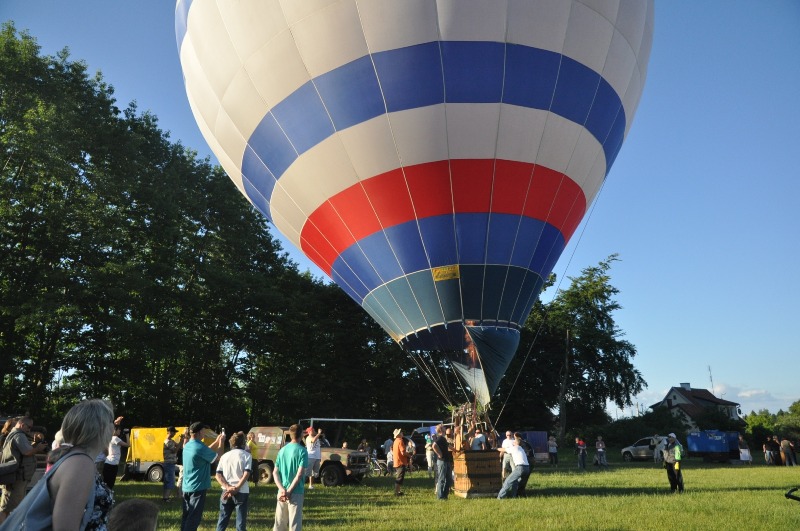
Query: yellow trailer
pixel 146 453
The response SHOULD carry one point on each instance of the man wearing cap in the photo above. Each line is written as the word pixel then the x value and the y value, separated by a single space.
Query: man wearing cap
pixel 314 454
pixel 197 459
pixel 401 461
pixel 170 453
pixel 673 453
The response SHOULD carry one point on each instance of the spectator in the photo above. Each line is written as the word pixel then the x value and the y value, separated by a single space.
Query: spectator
pixel 233 471
pixel 170 454
pixel 134 514
pixel 197 460
pixel 506 466
pixel 72 494
pixel 552 450
pixel 444 463
pixel 17 446
pixel 364 447
pixel 252 448
pixel 400 459
pixel 314 455
pixel 673 454
pixel 658 452
pixel 600 448
pixel 288 475
pixel 430 456
pixel 478 440
pixel 111 465
pixel 9 425
pixel 744 451
pixel 580 451
pixel 787 449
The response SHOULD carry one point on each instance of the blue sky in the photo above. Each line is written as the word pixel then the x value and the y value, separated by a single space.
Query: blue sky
pixel 700 204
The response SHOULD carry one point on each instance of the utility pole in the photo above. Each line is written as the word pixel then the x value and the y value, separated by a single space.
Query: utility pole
pixel 562 395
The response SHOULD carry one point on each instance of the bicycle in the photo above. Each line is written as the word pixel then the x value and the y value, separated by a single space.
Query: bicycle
pixel 377 467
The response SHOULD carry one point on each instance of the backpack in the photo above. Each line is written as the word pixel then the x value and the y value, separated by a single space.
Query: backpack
pixel 10 462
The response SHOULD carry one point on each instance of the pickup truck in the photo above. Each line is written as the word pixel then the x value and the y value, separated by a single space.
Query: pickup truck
pixel 336 464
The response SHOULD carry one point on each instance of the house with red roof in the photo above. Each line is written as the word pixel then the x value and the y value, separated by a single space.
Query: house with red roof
pixel 687 403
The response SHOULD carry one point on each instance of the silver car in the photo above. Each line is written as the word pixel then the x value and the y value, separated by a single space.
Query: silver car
pixel 640 450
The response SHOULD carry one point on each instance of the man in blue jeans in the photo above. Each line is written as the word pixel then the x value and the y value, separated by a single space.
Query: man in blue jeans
pixel 233 471
pixel 197 459
pixel 519 475
pixel 444 464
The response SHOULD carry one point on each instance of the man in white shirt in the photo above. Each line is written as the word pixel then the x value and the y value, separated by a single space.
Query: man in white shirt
pixel 314 454
pixel 233 471
pixel 505 453
pixel 111 464
pixel 518 476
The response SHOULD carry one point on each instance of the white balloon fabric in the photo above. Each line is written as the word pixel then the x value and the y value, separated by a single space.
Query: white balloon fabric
pixel 432 156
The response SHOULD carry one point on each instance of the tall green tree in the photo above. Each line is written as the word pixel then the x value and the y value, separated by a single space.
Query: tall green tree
pixel 572 357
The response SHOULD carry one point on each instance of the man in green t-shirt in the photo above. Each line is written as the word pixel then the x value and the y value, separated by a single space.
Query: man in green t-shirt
pixel 289 473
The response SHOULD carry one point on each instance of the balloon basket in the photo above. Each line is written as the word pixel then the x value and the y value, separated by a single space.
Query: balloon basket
pixel 477 474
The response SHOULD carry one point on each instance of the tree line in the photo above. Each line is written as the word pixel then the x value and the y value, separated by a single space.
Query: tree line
pixel 132 270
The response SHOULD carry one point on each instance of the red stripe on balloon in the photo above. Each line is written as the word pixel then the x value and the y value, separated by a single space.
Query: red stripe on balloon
pixel 425 190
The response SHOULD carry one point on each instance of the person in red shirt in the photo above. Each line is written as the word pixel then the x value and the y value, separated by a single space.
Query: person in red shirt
pixel 401 460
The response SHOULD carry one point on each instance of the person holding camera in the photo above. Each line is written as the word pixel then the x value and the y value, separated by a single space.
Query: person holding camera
pixel 314 454
pixel 113 456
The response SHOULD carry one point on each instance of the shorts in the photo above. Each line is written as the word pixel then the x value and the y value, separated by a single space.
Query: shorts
pixel 313 467
pixel 169 475
pixel 399 474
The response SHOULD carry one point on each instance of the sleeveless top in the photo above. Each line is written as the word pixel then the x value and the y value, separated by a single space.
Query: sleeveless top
pixel 103 502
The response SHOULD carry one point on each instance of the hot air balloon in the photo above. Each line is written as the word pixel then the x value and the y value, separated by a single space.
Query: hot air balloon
pixel 433 157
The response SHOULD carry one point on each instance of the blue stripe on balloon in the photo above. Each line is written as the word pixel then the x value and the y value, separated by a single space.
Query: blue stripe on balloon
pixel 403 86
pixel 351 93
pixel 398 251
pixel 412 78
pixel 473 71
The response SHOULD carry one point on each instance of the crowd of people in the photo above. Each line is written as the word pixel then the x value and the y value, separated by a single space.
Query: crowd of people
pixel 81 496
pixel 779 451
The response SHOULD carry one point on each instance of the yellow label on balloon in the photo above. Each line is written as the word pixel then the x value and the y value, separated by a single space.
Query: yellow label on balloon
pixel 445 273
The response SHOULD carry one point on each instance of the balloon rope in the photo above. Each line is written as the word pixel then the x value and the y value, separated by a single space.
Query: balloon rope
pixel 555 294
pixel 438 385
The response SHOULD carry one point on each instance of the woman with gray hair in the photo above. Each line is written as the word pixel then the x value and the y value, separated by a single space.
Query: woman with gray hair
pixel 72 495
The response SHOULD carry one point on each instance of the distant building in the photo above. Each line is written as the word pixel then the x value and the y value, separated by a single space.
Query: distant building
pixel 687 404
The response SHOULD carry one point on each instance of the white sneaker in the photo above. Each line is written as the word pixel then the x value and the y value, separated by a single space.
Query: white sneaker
pixel 311 487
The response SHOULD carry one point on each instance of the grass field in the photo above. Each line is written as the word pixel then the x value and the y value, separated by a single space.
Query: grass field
pixel 627 496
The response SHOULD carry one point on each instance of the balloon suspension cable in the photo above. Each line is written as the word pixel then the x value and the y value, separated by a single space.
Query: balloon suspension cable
pixel 432 375
pixel 555 294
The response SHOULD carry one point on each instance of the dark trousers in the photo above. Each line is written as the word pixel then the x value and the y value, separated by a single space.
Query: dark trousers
pixel 193 505
pixel 675 477
pixel 110 474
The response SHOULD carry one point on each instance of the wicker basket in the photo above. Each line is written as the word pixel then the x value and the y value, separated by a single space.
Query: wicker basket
pixel 477 473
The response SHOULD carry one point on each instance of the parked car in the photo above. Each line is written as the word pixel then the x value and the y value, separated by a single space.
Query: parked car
pixel 643 449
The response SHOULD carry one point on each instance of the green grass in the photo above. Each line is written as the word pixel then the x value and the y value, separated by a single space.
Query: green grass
pixel 625 497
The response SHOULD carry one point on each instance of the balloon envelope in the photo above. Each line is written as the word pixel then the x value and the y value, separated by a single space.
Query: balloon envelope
pixel 433 157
